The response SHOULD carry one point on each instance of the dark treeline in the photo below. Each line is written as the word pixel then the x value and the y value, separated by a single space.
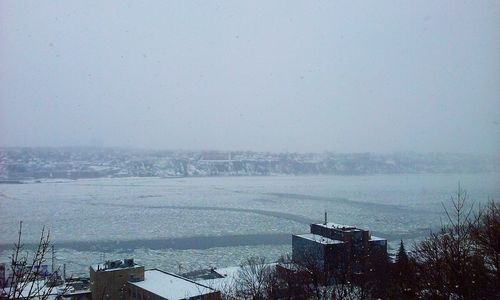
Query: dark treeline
pixel 461 261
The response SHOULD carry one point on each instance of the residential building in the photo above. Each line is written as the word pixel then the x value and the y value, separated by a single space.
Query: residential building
pixel 109 280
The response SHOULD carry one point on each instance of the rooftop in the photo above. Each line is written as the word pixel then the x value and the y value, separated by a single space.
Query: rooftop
pixel 115 265
pixel 228 280
pixel 170 286
pixel 376 238
pixel 37 289
pixel 338 226
pixel 202 274
pixel 318 238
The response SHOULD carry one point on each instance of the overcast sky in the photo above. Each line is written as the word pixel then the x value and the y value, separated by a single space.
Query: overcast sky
pixel 372 76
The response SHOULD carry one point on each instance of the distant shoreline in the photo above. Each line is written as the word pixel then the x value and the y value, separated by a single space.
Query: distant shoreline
pixel 30 180
pixel 9 181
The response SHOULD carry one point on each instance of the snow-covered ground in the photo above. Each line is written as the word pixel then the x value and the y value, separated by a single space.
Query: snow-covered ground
pixel 158 221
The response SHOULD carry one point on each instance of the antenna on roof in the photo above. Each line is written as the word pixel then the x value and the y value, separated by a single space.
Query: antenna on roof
pixel 53 259
pixel 326 217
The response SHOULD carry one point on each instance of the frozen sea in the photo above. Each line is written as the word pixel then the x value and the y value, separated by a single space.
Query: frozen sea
pixel 182 224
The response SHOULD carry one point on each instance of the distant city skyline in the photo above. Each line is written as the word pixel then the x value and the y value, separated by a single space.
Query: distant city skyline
pixel 280 76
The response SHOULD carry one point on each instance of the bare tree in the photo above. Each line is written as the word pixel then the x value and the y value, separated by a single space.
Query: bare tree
pixel 486 236
pixel 448 260
pixel 345 290
pixel 28 279
pixel 253 279
pixel 290 280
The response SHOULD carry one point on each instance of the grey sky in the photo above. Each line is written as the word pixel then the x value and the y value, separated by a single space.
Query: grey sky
pixel 258 75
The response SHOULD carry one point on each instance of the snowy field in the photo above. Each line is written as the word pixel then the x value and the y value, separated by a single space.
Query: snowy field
pixel 189 223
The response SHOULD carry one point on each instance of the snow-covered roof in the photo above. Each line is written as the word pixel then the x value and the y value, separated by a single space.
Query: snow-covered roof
pixel 228 272
pixel 338 226
pixel 319 239
pixel 376 238
pixel 37 290
pixel 101 267
pixel 107 267
pixel 170 286
pixel 229 278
